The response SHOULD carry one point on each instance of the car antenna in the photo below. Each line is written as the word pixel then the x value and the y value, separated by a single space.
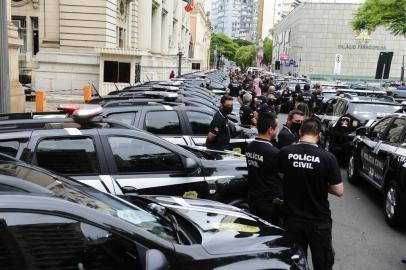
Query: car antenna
pixel 97 92
pixel 147 77
pixel 116 86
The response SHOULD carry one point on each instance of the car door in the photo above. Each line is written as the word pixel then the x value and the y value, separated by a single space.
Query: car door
pixel 43 240
pixel 166 123
pixel 72 152
pixel 198 125
pixel 384 151
pixel 369 148
pixel 150 167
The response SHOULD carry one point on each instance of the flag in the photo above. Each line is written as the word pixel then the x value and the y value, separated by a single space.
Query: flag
pixel 189 7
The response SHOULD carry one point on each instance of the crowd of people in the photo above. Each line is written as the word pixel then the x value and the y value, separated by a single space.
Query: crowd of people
pixel 289 175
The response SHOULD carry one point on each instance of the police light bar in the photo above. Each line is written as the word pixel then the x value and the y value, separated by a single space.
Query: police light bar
pixel 81 110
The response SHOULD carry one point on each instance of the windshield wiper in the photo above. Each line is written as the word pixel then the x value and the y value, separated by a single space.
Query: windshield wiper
pixel 160 211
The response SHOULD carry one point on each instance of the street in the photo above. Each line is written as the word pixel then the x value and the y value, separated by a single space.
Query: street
pixel 361 238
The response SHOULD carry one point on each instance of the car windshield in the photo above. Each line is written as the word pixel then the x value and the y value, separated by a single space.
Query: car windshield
pixel 328 95
pixel 79 193
pixel 366 111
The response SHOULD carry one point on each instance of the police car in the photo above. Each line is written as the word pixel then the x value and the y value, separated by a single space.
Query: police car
pixel 343 114
pixel 184 125
pixel 52 222
pixel 117 158
pixel 379 158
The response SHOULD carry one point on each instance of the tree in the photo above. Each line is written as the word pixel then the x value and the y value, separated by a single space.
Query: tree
pixel 242 42
pixel 224 45
pixel 245 55
pixel 387 13
pixel 267 51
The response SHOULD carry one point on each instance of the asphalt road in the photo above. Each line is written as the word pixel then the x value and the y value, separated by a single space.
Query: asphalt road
pixel 361 238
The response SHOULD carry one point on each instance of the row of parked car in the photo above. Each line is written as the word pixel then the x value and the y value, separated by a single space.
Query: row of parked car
pixel 79 188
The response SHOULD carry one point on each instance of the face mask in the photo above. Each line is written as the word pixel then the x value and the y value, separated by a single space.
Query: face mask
pixel 295 127
pixel 271 102
pixel 227 110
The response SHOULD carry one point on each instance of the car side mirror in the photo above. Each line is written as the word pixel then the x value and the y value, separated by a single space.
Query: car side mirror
pixel 191 165
pixel 155 260
pixel 362 131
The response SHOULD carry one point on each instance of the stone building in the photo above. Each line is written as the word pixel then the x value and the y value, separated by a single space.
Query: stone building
pixel 17 97
pixel 67 43
pixel 200 30
pixel 315 31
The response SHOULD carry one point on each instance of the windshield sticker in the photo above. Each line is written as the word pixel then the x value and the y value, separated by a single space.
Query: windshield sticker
pixel 236 227
pixel 133 217
pixel 190 195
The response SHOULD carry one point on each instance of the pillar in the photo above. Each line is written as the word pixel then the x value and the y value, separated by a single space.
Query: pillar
pixel 156 29
pixel 144 24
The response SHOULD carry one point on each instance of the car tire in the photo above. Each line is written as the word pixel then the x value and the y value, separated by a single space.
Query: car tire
pixel 394 214
pixel 352 171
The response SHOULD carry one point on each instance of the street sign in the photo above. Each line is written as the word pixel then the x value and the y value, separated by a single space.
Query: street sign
pixel 283 57
pixel 337 63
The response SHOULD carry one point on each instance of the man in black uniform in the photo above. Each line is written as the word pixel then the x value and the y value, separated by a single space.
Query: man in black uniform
pixel 219 134
pixel 264 185
pixel 235 87
pixel 309 173
pixel 318 96
pixel 306 97
pixel 247 115
pixel 290 132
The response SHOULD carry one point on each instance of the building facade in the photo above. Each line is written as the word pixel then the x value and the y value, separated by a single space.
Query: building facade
pixel 111 43
pixel 17 96
pixel 200 30
pixel 316 31
pixel 235 18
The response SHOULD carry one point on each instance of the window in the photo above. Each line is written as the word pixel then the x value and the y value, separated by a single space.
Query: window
pixel 200 122
pixel 9 147
pixel 163 122
pixel 136 156
pixel 196 66
pixel 117 72
pixel 71 156
pixel 395 131
pixel 127 118
pixel 39 241
pixel 379 129
pixel 340 108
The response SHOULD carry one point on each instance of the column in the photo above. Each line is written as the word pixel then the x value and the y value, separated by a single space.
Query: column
pixel 51 20
pixel 144 24
pixel 156 29
pixel 30 38
pixel 165 34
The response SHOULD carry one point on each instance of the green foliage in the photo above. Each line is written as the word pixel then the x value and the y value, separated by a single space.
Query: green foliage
pixel 242 42
pixel 225 45
pixel 268 51
pixel 245 55
pixel 388 13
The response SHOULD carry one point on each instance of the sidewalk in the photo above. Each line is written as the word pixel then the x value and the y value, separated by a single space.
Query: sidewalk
pixel 53 99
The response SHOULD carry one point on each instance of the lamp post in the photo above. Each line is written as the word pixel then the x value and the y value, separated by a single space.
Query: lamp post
pixel 180 54
pixel 218 60
pixel 402 70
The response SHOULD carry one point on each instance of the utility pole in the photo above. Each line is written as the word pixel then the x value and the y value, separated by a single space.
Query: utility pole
pixel 4 65
pixel 180 54
pixel 402 70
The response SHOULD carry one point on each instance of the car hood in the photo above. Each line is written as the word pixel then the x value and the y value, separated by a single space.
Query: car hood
pixel 219 224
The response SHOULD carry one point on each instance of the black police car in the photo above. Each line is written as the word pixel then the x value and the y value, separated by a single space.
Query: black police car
pixel 379 157
pixel 117 158
pixel 343 114
pixel 184 125
pixel 51 222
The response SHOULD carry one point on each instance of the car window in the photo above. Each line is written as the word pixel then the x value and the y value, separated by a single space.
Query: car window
pixel 395 131
pixel 340 108
pixel 41 241
pixel 379 129
pixel 200 122
pixel 163 122
pixel 9 147
pixel 136 156
pixel 127 117
pixel 69 156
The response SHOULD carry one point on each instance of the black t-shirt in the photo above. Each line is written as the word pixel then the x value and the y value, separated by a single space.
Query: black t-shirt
pixel 219 127
pixel 286 137
pixel 235 88
pixel 306 98
pixel 246 115
pixel 308 172
pixel 264 184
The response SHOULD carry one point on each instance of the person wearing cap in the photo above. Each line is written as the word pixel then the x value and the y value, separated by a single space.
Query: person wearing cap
pixel 264 186
pixel 309 173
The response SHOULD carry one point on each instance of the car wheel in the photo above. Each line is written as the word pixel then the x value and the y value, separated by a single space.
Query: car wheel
pixel 392 205
pixel 352 171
